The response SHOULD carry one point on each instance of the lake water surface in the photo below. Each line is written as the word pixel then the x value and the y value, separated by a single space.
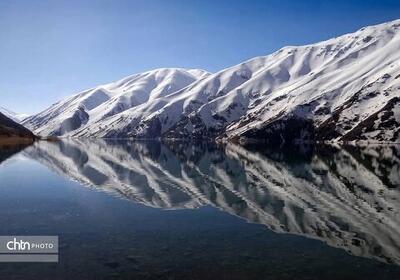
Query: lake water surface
pixel 146 210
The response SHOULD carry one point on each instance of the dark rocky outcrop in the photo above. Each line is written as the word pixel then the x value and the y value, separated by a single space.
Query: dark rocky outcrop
pixel 382 123
pixel 281 131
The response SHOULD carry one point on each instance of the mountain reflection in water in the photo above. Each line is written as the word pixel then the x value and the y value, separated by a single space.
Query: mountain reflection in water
pixel 347 196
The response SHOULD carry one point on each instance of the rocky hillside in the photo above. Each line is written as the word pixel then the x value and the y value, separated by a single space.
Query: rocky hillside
pixel 11 129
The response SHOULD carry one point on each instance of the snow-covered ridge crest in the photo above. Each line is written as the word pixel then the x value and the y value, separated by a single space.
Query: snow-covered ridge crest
pixel 346 88
pixel 91 107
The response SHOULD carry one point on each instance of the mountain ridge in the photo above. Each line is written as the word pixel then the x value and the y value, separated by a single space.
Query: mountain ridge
pixel 92 105
pixel 342 89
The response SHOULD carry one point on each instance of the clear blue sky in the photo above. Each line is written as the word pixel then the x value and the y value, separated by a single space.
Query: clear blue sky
pixel 50 49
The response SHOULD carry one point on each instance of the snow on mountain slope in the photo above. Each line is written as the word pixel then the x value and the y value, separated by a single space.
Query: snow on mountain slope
pixel 322 91
pixel 89 108
pixel 325 91
pixel 17 117
pixel 155 117
pixel 346 88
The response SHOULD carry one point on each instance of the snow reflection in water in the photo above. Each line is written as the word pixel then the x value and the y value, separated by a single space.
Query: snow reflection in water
pixel 347 196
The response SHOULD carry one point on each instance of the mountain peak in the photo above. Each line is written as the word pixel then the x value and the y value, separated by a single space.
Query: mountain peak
pixel 102 102
pixel 345 88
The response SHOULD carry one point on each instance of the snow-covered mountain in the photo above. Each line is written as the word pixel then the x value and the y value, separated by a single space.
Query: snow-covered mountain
pixel 87 110
pixel 348 198
pixel 17 117
pixel 346 88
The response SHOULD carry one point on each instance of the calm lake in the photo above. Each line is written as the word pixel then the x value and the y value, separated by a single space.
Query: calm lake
pixel 147 210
